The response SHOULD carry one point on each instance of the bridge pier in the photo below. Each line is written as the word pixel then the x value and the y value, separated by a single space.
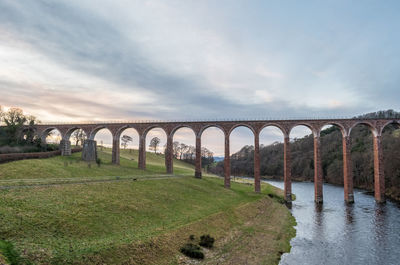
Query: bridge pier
pixel 287 172
pixel 197 173
pixel 379 177
pixel 318 178
pixel 89 151
pixel 65 147
pixel 142 152
pixel 115 150
pixel 169 156
pixel 227 163
pixel 347 170
pixel 257 181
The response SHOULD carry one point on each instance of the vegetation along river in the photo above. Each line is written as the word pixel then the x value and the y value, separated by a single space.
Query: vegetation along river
pixel 335 233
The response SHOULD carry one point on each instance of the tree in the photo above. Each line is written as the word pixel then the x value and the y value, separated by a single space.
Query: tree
pixel 14 119
pixel 176 149
pixel 79 136
pixel 125 140
pixel 183 149
pixel 154 143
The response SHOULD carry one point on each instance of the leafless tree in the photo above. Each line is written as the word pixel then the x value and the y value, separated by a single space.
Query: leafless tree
pixel 125 140
pixel 154 143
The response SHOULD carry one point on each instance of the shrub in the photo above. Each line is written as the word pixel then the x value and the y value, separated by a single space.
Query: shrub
pixel 206 241
pixel 98 161
pixel 192 251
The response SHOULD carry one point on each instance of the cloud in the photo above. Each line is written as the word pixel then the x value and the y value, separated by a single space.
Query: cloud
pixel 72 60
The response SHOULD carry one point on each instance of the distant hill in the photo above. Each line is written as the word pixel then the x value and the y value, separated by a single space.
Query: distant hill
pixel 332 161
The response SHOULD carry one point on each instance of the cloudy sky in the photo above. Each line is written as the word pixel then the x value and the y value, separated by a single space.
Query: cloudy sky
pixel 132 60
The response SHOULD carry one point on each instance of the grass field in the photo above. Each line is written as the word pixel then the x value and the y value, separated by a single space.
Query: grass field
pixel 132 222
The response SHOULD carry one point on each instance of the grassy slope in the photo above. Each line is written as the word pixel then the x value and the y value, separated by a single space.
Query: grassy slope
pixel 124 221
pixel 72 167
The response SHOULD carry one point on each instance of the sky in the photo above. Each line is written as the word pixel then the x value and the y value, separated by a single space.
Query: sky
pixel 178 60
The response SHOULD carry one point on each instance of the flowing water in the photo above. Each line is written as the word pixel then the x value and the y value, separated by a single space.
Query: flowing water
pixel 336 233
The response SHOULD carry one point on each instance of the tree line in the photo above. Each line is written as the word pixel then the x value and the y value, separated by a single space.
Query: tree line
pixel 302 157
pixel 184 152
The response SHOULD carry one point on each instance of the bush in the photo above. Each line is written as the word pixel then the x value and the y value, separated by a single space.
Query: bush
pixel 98 161
pixel 206 241
pixel 192 251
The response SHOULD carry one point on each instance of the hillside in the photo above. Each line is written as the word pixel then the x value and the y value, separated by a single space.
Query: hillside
pixel 120 214
pixel 302 159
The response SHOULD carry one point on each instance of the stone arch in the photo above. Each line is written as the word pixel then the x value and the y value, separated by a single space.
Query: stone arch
pixel 93 132
pixel 148 129
pixel 275 125
pixel 202 129
pixel 180 126
pixel 241 125
pixel 371 126
pixel 337 124
pixel 309 126
pixel 46 131
pixel 126 127
pixel 396 122
pixel 69 132
pixel 35 133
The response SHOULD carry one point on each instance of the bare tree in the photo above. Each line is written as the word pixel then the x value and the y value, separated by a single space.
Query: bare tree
pixel 176 149
pixel 154 143
pixel 125 140
pixel 79 136
pixel 183 149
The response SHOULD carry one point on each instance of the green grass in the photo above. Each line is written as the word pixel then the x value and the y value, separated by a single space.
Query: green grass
pixel 61 169
pixel 65 223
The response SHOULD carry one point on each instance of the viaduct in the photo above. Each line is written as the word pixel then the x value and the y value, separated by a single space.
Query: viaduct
pixel 346 125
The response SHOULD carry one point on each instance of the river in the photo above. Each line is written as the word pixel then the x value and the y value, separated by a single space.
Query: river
pixel 336 233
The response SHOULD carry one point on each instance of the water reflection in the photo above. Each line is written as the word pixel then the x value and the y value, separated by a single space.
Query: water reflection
pixel 338 233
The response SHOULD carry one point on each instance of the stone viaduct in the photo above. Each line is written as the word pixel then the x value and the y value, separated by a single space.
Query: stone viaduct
pixel 375 125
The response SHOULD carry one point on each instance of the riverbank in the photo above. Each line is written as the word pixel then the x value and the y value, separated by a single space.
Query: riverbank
pixel 136 222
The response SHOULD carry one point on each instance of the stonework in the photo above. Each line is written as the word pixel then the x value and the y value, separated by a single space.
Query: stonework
pixel 89 151
pixel 65 147
pixel 345 125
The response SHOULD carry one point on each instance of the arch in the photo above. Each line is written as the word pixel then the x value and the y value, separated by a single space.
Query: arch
pixel 397 122
pixel 128 146
pixel 362 156
pixel 148 129
pixel 46 132
pixel 180 127
pixel 275 125
pixel 269 135
pixel 202 129
pixel 182 149
pixel 69 132
pixel 241 125
pixel 309 126
pixel 337 124
pixel 372 128
pixel 219 129
pixel 93 132
pixel 21 133
pixel 126 127
pixel 242 160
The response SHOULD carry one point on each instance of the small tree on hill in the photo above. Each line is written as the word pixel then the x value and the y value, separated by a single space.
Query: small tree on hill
pixel 154 143
pixel 125 140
